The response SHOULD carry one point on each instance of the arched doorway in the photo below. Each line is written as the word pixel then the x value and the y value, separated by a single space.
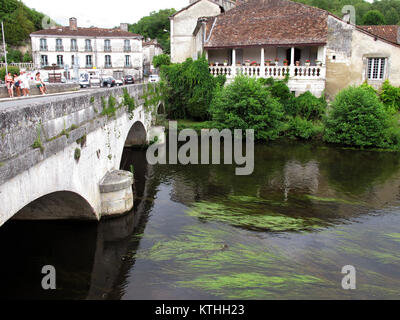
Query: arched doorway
pixel 137 135
pixel 63 205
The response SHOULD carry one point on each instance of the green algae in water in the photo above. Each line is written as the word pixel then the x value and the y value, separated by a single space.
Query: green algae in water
pixel 393 236
pixel 262 220
pixel 342 201
pixel 246 285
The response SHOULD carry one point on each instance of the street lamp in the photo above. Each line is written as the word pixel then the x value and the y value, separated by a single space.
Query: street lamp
pixel 4 46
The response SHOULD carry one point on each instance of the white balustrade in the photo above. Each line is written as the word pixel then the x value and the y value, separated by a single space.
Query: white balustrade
pixel 23 65
pixel 276 72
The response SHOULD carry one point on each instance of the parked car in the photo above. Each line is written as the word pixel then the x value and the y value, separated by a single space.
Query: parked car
pixel 154 78
pixel 94 81
pixel 84 80
pixel 129 80
pixel 108 82
pixel 119 82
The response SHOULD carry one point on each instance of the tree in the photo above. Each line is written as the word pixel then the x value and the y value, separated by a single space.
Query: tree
pixel 358 118
pixel 248 104
pixel 374 17
pixel 155 26
pixel 19 21
pixel 161 60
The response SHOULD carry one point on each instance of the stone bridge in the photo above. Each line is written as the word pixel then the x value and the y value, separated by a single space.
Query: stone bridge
pixel 61 159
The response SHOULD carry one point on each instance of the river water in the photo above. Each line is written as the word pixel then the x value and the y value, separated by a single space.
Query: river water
pixel 200 232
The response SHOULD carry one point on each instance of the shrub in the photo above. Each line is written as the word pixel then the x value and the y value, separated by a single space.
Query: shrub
pixel 161 60
pixel 247 104
pixel 390 96
pixel 188 89
pixel 299 127
pixel 11 69
pixel 309 107
pixel 358 118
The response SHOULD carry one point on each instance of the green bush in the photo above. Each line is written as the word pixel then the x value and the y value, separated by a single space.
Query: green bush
pixel 188 89
pixel 390 96
pixel 161 60
pixel 309 107
pixel 358 118
pixel 299 127
pixel 11 69
pixel 247 104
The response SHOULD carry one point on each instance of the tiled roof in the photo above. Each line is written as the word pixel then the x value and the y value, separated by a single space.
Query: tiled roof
pixel 268 22
pixel 85 32
pixel 388 33
pixel 151 43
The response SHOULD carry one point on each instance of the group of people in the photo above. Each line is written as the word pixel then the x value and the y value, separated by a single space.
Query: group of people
pixel 21 84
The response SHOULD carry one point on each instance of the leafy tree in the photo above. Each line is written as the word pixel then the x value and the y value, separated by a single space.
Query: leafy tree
pixel 390 96
pixel 374 17
pixel 161 60
pixel 155 26
pixel 188 89
pixel 27 57
pixel 12 69
pixel 359 118
pixel 248 104
pixel 19 21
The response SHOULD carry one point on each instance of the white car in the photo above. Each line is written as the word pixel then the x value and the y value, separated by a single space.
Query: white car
pixel 119 82
pixel 94 81
pixel 84 80
pixel 154 78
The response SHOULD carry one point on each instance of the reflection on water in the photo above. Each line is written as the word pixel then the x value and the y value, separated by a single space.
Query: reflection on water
pixel 200 232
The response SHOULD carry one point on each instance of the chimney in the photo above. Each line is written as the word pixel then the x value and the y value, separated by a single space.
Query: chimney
pixel 73 24
pixel 124 27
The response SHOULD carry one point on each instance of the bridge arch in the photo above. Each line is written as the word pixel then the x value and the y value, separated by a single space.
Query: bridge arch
pixel 137 135
pixel 60 205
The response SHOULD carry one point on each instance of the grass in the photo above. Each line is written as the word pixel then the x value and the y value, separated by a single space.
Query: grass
pixel 1 164
pixel 38 142
pixel 77 154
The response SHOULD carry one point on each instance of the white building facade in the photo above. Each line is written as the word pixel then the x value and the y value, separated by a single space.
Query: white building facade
pixel 151 48
pixel 111 52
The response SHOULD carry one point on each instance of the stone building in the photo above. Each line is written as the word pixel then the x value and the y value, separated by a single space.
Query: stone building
pixel 114 52
pixel 151 48
pixel 274 38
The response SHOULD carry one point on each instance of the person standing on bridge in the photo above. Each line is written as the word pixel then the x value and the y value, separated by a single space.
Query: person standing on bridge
pixel 10 84
pixel 40 84
pixel 17 84
pixel 25 83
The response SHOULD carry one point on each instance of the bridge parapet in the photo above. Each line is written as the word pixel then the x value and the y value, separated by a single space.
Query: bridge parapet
pixel 68 143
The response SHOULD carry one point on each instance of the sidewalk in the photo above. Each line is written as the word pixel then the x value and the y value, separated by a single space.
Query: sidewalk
pixel 41 96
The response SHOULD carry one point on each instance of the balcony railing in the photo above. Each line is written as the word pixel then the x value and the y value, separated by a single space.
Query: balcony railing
pixel 108 66
pixel 127 49
pixel 88 49
pixel 278 72
pixel 74 49
pixel 44 48
pixel 89 66
pixel 59 48
pixel 107 49
pixel 128 65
